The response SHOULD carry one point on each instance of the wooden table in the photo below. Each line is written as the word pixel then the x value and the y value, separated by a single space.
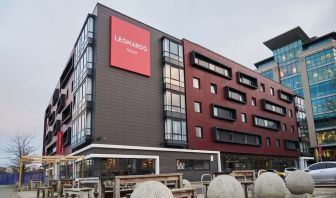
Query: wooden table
pixel 184 192
pixel 246 184
pixel 79 192
pixel 45 191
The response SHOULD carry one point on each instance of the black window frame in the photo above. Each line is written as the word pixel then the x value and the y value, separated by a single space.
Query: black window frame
pixel 289 97
pixel 233 111
pixel 213 85
pixel 253 80
pixel 202 134
pixel 296 144
pixel 264 107
pixel 276 121
pixel 216 131
pixel 228 89
pixel 200 107
pixel 196 55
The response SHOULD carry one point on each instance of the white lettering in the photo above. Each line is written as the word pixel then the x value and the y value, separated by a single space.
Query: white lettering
pixel 133 44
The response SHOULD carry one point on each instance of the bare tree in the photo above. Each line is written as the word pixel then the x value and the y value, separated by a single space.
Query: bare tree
pixel 21 144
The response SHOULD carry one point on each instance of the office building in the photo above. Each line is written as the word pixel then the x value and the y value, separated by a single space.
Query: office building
pixel 307 66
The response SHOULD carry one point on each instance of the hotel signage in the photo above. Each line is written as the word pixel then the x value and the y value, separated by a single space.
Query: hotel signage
pixel 130 47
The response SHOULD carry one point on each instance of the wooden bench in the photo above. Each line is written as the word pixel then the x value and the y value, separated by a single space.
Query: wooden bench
pixel 245 174
pixel 78 192
pixel 45 190
pixel 128 182
pixel 184 192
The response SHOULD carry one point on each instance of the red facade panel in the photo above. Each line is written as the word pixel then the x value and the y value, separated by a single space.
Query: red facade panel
pixel 207 122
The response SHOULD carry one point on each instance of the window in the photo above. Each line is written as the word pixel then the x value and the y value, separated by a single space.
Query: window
pixel 272 91
pixel 290 113
pixel 223 113
pixel 213 88
pixel 186 164
pixel 284 127
pixel 235 95
pixel 277 142
pixel 262 87
pixel 274 108
pixel 81 128
pixel 173 76
pixel 211 65
pixel 318 166
pixel 234 137
pixel 174 102
pixel 291 145
pixel 196 83
pixel 243 117
pixel 199 132
pixel 197 107
pixel 254 101
pixel 285 96
pixel 175 131
pixel 173 51
pixel 292 129
pixel 266 123
pixel 246 80
pixel 268 141
pixel 331 165
pixel 268 74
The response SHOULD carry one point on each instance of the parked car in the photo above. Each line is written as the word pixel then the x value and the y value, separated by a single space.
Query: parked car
pixel 323 172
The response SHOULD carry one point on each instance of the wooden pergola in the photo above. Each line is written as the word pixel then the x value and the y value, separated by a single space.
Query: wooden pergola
pixel 47 160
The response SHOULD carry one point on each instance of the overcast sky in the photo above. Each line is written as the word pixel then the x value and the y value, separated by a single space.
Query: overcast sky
pixel 36 38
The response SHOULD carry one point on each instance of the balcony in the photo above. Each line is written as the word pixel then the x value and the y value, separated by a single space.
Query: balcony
pixel 48 111
pixel 55 96
pixel 66 140
pixel 48 138
pixel 81 77
pixel 67 114
pixel 67 72
pixel 60 103
pixel 235 137
pixel 51 118
pixel 78 142
pixel 57 127
pixel 51 150
pixel 85 103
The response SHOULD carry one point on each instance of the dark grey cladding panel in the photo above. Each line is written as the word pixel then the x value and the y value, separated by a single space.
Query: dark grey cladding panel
pixel 128 107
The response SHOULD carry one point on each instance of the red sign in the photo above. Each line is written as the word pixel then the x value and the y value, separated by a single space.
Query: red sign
pixel 130 47
pixel 59 147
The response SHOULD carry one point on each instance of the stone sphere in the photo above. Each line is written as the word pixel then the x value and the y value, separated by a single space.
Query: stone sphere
pixel 225 186
pixel 151 189
pixel 270 185
pixel 186 183
pixel 299 182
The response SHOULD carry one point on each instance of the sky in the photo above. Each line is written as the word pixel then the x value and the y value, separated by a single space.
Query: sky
pixel 37 36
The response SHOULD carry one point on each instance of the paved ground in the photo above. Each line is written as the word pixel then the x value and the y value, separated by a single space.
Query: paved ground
pixel 10 192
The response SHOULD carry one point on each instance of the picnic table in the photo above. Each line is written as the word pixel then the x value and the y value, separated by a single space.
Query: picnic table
pixel 45 191
pixel 79 192
pixel 246 184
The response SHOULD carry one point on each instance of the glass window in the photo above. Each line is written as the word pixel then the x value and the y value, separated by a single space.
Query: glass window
pixel 292 129
pixel 284 127
pixel 243 117
pixel 213 88
pixel 223 135
pixel 196 83
pixel 272 91
pixel 277 142
pixel 173 51
pixel 174 102
pixel 224 113
pixel 268 141
pixel 266 123
pixel 290 113
pixel 262 87
pixel 197 107
pixel 317 166
pixel 235 95
pixel 254 101
pixel 268 74
pixel 186 164
pixel 175 129
pixel 199 132
pixel 331 165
